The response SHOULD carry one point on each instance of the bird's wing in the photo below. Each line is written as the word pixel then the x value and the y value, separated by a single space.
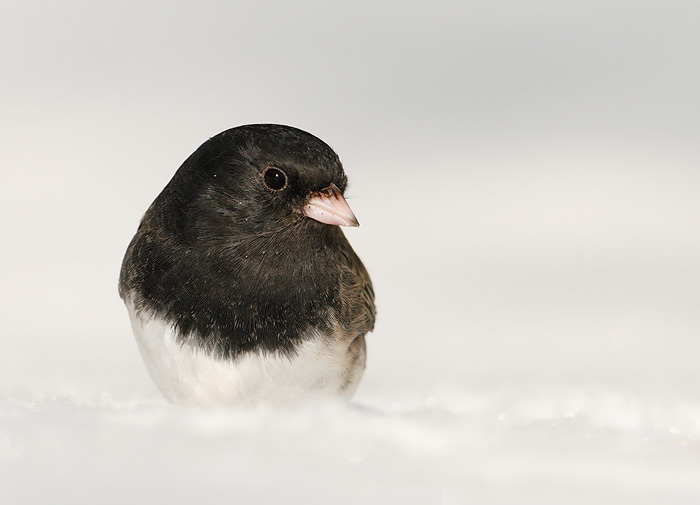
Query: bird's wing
pixel 357 294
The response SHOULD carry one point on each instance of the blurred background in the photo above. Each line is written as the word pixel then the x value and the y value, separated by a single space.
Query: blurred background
pixel 526 175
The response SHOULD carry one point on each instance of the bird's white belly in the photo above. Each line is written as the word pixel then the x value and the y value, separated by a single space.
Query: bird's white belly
pixel 190 376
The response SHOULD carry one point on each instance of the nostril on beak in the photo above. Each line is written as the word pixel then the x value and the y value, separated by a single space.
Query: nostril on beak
pixel 331 191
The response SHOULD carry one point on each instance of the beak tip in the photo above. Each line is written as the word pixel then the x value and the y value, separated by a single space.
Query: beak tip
pixel 333 210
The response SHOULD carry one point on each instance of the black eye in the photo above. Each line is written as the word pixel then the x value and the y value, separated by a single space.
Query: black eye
pixel 275 179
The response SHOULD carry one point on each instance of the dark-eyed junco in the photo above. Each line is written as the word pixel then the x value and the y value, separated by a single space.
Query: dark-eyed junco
pixel 240 285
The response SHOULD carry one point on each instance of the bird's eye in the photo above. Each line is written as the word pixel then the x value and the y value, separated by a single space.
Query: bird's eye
pixel 275 179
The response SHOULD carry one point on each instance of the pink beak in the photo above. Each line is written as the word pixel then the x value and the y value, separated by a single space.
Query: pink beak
pixel 328 206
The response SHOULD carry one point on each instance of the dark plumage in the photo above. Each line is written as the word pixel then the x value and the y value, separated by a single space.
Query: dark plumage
pixel 233 265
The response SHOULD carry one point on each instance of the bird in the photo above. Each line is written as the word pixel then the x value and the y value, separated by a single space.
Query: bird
pixel 240 285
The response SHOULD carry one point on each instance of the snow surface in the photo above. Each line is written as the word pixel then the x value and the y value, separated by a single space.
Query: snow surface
pixel 526 175
pixel 508 445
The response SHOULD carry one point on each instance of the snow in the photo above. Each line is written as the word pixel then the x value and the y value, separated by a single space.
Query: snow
pixel 526 176
pixel 526 445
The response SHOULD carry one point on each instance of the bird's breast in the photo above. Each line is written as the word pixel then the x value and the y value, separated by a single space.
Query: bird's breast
pixel 320 365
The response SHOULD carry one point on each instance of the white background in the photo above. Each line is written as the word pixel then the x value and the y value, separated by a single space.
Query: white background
pixel 527 176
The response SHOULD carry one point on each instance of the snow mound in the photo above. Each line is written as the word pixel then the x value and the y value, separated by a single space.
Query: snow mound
pixel 508 444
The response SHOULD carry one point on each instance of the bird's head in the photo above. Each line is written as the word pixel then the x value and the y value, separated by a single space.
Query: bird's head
pixel 258 179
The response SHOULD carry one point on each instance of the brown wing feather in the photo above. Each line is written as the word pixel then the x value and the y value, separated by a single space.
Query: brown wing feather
pixel 358 314
pixel 357 295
